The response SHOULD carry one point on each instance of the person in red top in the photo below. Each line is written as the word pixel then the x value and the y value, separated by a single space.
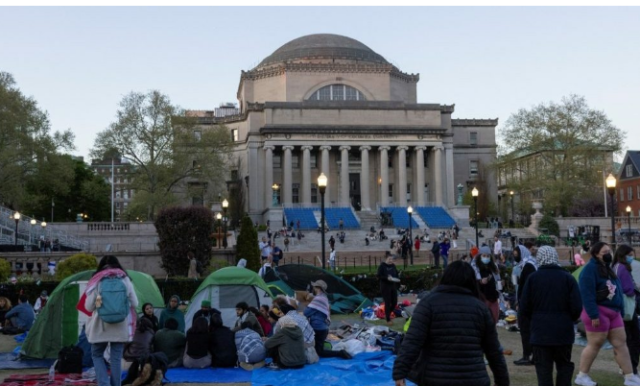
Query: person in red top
pixel 264 323
pixel 416 246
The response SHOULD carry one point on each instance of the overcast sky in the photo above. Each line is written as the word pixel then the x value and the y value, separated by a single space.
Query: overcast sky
pixel 79 62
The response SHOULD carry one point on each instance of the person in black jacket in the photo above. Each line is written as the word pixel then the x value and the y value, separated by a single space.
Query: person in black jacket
pixel 435 249
pixel 222 344
pixel 451 330
pixel 388 276
pixel 551 301
pixel 527 265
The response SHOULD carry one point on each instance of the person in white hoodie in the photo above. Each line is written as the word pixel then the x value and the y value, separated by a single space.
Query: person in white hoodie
pixel 102 334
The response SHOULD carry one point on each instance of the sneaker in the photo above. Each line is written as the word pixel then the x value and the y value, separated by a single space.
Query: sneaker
pixel 634 380
pixel 523 362
pixel 584 380
pixel 273 366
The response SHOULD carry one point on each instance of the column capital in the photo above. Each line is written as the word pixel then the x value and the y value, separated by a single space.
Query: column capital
pixel 307 147
pixel 345 147
pixel 365 148
pixel 420 148
pixel 384 148
pixel 438 147
pixel 400 148
pixel 325 147
pixel 288 147
pixel 269 147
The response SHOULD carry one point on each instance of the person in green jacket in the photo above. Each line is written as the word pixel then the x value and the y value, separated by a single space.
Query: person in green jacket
pixel 171 342
pixel 172 312
pixel 286 346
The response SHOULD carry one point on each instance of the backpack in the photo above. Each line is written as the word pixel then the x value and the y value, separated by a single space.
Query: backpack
pixel 70 360
pixel 113 302
pixel 250 346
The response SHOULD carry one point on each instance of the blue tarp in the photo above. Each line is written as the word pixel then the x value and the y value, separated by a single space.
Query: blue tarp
pixel 366 369
pixel 8 361
pixel 208 375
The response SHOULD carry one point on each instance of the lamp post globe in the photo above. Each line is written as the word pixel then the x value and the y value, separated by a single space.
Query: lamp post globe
pixel 322 186
pixel 275 187
pixel 410 213
pixel 628 210
pixel 611 188
pixel 474 194
pixel 16 218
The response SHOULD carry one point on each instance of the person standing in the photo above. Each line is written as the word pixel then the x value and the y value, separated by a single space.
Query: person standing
pixel 332 242
pixel 444 252
pixel 551 301
pixel 276 254
pixel 193 266
pixel 435 250
pixel 41 302
pixel 623 258
pixel 266 267
pixel 388 277
pixel 527 266
pixel 318 312
pixel 265 249
pixel 332 259
pixel 497 248
pixel 100 333
pixel 487 274
pixel 450 332
pixel 602 302
pixel 416 246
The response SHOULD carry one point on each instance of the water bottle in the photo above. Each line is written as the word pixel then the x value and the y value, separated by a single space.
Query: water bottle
pixel 52 372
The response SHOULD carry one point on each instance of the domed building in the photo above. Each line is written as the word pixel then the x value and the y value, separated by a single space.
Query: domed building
pixel 329 104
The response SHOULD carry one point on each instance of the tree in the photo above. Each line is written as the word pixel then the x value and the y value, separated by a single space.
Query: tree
pixel 184 230
pixel 74 264
pixel 559 150
pixel 169 153
pixel 247 245
pixel 26 141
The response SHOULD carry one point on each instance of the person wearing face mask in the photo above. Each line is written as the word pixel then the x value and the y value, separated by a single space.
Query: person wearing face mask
pixel 487 274
pixel 602 301
pixel 528 266
pixel 622 267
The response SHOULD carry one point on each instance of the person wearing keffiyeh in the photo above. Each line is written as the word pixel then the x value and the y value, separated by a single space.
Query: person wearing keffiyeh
pixel 318 312
pixel 527 266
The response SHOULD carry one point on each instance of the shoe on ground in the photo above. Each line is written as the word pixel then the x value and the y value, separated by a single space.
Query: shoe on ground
pixel 523 362
pixel 632 381
pixel 345 355
pixel 584 380
pixel 273 366
pixel 252 366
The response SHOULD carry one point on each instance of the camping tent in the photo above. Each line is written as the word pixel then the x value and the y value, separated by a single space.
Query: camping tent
pixel 344 298
pixel 59 324
pixel 227 287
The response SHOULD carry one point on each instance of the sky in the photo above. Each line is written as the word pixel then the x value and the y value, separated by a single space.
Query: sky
pixel 78 63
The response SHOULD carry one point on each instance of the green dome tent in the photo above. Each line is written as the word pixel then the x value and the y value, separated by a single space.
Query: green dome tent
pixel 59 324
pixel 227 287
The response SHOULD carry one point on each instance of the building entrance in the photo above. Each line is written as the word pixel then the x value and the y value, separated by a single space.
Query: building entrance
pixel 354 190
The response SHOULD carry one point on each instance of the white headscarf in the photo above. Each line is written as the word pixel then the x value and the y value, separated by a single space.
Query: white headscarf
pixel 526 258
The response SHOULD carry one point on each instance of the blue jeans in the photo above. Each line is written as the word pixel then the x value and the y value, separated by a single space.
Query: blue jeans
pixel 445 260
pixel 97 354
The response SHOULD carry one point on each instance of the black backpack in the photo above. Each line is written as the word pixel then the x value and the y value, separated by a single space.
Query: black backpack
pixel 70 360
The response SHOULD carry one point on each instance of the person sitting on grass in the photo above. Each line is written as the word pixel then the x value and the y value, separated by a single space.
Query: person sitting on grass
pixel 264 323
pixel 20 318
pixel 148 313
pixel 172 312
pixel 142 340
pixel 5 306
pixel 222 344
pixel 205 311
pixel 171 342
pixel 286 347
pixel 246 319
pixel 196 354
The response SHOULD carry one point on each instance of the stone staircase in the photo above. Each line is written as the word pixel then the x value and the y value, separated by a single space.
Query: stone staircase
pixel 368 219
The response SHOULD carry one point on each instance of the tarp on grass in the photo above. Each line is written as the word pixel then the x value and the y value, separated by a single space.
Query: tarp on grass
pixel 59 324
pixel 343 297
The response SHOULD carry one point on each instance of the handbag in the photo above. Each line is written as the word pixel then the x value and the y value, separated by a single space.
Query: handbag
pixel 629 308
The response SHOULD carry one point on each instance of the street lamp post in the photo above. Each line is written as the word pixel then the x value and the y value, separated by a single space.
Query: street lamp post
pixel 274 199
pixel 225 205
pixel 322 186
pixel 513 212
pixel 629 224
pixel 410 213
pixel 219 218
pixel 474 193
pixel 611 188
pixel 43 224
pixel 33 222
pixel 16 218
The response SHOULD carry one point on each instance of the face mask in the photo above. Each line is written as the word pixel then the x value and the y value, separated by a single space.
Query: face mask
pixel 607 258
pixel 485 260
pixel 630 259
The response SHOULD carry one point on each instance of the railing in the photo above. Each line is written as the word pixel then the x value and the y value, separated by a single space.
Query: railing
pixel 101 226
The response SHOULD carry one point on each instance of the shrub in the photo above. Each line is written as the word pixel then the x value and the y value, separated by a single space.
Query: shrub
pixel 551 224
pixel 5 270
pixel 262 228
pixel 74 264
pixel 247 245
pixel 184 230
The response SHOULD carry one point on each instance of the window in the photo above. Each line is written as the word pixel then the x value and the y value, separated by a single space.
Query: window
pixel 197 135
pixel 408 160
pixel 313 160
pixel 337 92
pixel 424 159
pixel 391 190
pixel 295 161
pixel 126 204
pixel 621 194
pixel 473 168
pixel 628 171
pixel 295 193
pixel 473 138
pixel 234 175
pixel 117 204
pixel 314 193
pixel 638 189
pixel 234 135
pixel 125 195
pixel 277 161
pixel 630 193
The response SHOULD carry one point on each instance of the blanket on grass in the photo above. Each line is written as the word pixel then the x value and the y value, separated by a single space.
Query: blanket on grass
pixel 43 380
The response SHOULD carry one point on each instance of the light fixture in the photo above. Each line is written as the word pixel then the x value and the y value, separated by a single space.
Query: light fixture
pixel 33 221
pixel 219 216
pixel 628 209
pixel 409 209
pixel 475 192
pixel 611 181
pixel 322 181
pixel 16 216
pixel 511 192
pixel 43 224
pixel 275 186
pixel 225 204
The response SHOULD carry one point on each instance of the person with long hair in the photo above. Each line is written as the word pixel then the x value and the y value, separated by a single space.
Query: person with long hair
pixel 527 266
pixel 488 275
pixel 623 258
pixel 141 345
pixel 197 355
pixel 148 313
pixel 5 306
pixel 388 277
pixel 222 344
pixel 449 321
pixel 602 302
pixel 102 334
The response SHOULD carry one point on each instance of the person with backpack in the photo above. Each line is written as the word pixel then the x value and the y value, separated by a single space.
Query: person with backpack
pixel 196 355
pixel 142 341
pixel 246 319
pixel 171 342
pixel 110 302
pixel 222 344
pixel 172 312
pixel 276 254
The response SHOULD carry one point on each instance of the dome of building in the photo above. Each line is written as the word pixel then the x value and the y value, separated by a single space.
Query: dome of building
pixel 323 46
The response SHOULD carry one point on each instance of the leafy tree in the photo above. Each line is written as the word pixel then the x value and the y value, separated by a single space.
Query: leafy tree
pixel 550 224
pixel 26 141
pixel 74 264
pixel 166 150
pixel 247 247
pixel 558 148
pixel 184 230
pixel 5 270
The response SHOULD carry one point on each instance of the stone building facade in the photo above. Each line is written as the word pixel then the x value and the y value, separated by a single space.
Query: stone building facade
pixel 328 103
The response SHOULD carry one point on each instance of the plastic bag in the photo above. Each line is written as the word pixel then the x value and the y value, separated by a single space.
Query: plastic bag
pixel 352 346
pixel 312 355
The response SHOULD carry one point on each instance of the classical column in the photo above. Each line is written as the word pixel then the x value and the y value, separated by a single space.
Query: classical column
pixel 419 188
pixel 402 175
pixel 384 175
pixel 306 175
pixel 325 169
pixel 268 175
pixel 365 202
pixel 437 166
pixel 450 194
pixel 344 176
pixel 253 183
pixel 287 177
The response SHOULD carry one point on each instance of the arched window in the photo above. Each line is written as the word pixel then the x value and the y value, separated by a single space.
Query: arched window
pixel 337 92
